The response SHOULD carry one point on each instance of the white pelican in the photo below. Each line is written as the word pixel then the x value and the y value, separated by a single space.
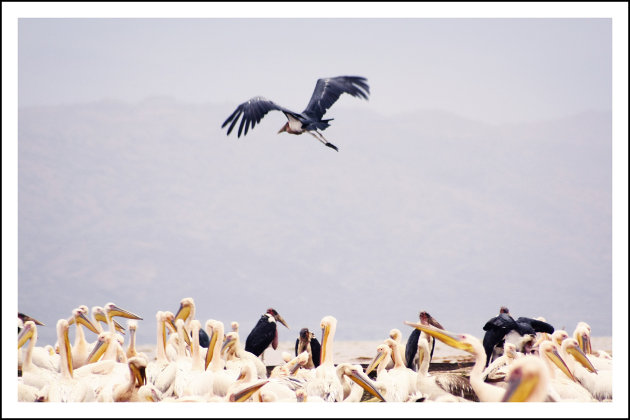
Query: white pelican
pixel 183 363
pixel 499 366
pixel 353 390
pixel 122 386
pixel 396 335
pixel 235 353
pixel 326 383
pixel 32 374
pixel 527 380
pixel 599 358
pixel 399 382
pixel 81 348
pixel 436 387
pixel 222 378
pixel 199 380
pixel 598 383
pixel 99 315
pixel 111 310
pixel 160 372
pixel 234 326
pixel 564 384
pixel 66 388
pixel 132 325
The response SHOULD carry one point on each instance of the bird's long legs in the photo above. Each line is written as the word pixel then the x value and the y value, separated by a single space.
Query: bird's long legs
pixel 321 138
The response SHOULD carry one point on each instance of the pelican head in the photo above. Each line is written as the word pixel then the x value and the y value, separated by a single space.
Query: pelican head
pixel 383 352
pixel 571 346
pixel 549 350
pixel 230 341
pixel 527 380
pixel 559 336
pixel 357 375
pixel 138 366
pixel 112 310
pixel 29 330
pixel 80 316
pixel 186 309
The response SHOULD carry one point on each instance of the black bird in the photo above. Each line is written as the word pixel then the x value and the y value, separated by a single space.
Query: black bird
pixel 498 327
pixel 264 333
pixel 326 93
pixel 411 349
pixel 307 342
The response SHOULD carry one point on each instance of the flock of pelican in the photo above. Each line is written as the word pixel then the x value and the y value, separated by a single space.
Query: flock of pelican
pixel 195 363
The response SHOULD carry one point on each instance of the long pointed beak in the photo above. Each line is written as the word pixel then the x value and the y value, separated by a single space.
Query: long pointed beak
pixel 245 393
pixel 375 362
pixel 87 323
pixel 25 335
pixel 365 383
pixel 210 352
pixel 140 374
pixel 183 312
pixel 97 351
pixel 281 320
pixel 66 343
pixel 325 333
pixel 449 338
pixel 114 310
pixel 520 387
pixel 581 358
pixel 559 361
pixel 227 343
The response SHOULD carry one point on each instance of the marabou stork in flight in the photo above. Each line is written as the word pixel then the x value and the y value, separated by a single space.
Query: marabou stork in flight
pixel 498 327
pixel 264 333
pixel 327 91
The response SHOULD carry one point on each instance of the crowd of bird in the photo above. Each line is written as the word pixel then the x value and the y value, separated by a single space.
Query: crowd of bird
pixel 519 360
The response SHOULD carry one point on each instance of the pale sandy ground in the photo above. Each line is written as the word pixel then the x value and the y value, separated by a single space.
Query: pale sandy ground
pixel 364 351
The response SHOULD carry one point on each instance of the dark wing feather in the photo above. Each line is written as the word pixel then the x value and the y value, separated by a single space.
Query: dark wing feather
pixel 412 348
pixel 261 336
pixel 538 326
pixel 204 340
pixel 252 112
pixel 316 350
pixel 297 343
pixel 328 90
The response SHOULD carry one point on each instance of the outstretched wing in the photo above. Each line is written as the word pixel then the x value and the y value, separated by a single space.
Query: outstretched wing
pixel 252 112
pixel 328 90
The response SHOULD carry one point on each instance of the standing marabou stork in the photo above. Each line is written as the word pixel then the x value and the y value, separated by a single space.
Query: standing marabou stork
pixel 326 93
pixel 264 333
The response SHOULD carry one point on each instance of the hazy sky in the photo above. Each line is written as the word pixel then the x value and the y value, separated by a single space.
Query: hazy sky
pixel 489 73
pixel 491 70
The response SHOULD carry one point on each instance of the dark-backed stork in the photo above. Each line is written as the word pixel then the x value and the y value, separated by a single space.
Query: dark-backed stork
pixel 327 91
pixel 503 324
pixel 264 333
pixel 411 350
pixel 307 342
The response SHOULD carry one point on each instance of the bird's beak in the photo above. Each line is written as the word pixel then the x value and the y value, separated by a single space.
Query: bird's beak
pixel 101 318
pixel 227 343
pixel 284 128
pixel 116 311
pixel 183 312
pixel 140 374
pixel 558 361
pixel 210 352
pixel 25 335
pixel 245 393
pixel 98 350
pixel 581 357
pixel 281 320
pixel 66 343
pixel 365 383
pixel 375 362
pixel 451 339
pixel 584 343
pixel 520 387
pixel 88 324
pixel 325 333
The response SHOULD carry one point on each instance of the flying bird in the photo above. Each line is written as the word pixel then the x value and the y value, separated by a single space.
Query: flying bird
pixel 327 91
